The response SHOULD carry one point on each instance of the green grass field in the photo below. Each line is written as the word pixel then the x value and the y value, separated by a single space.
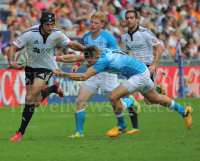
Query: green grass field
pixel 163 135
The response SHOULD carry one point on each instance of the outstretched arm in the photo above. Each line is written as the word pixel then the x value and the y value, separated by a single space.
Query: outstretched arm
pixel 70 58
pixel 76 46
pixel 76 76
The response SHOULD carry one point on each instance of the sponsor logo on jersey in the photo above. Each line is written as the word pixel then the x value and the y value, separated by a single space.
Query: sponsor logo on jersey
pixel 154 40
pixel 36 42
pixel 17 41
pixel 139 46
pixel 42 50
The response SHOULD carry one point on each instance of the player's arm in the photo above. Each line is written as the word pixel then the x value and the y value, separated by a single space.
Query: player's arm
pixel 76 46
pixel 11 53
pixel 76 76
pixel 157 52
pixel 64 40
pixel 70 58
pixel 157 49
pixel 125 50
pixel 77 64
pixel 19 43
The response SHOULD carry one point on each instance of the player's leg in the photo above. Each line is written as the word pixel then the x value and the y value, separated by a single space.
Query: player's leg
pixel 84 94
pixel 32 91
pixel 133 117
pixel 108 83
pixel 159 88
pixel 36 79
pixel 47 91
pixel 163 100
pixel 119 107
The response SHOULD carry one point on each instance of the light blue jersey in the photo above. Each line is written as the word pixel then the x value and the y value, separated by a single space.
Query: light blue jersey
pixel 114 61
pixel 104 40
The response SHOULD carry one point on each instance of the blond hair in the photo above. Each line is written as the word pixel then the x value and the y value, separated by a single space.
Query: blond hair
pixel 99 15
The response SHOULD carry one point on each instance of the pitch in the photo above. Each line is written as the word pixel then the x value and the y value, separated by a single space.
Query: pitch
pixel 163 134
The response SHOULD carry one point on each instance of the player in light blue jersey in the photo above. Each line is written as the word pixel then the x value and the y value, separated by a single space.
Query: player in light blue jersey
pixel 138 79
pixel 107 81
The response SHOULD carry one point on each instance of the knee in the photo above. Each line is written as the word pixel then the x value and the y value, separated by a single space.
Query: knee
pixel 30 98
pixel 113 96
pixel 80 100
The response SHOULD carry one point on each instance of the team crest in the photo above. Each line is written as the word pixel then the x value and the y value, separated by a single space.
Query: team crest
pixel 138 38
pixel 154 40
pixel 101 43
pixel 17 41
pixel 86 42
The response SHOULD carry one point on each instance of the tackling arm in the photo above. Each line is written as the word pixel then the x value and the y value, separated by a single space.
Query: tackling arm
pixel 70 58
pixel 76 76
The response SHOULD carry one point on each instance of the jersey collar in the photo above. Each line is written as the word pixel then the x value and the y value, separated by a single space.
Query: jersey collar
pixel 131 35
pixel 97 36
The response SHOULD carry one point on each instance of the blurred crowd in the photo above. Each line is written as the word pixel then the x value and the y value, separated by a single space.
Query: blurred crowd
pixel 170 20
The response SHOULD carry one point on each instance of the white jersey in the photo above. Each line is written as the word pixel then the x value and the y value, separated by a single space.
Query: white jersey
pixel 40 50
pixel 140 44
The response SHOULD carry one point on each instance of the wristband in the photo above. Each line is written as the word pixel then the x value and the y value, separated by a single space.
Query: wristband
pixel 56 58
pixel 77 63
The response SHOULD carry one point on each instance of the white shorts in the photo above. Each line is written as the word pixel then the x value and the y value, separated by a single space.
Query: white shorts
pixel 107 81
pixel 140 82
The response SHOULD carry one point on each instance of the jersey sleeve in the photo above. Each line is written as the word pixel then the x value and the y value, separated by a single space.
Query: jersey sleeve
pixel 22 39
pixel 100 64
pixel 150 38
pixel 112 42
pixel 64 39
pixel 124 45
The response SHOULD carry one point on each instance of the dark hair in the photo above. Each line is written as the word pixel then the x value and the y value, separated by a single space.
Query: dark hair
pixel 132 11
pixel 9 26
pixel 47 16
pixel 91 51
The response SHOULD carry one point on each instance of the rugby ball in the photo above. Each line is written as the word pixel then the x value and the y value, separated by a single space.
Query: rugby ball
pixel 21 58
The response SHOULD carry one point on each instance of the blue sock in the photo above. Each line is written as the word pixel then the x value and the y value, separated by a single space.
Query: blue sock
pixel 178 107
pixel 128 102
pixel 121 121
pixel 80 117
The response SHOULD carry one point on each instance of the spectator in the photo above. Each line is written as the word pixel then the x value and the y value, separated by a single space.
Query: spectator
pixel 192 47
pixel 111 11
pixel 39 4
pixel 197 55
pixel 172 19
pixel 172 41
pixel 5 52
pixel 166 52
pixel 59 50
pixel 1 43
pixel 187 92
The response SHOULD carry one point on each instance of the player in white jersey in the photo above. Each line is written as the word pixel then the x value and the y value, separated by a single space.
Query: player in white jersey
pixel 140 43
pixel 40 41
